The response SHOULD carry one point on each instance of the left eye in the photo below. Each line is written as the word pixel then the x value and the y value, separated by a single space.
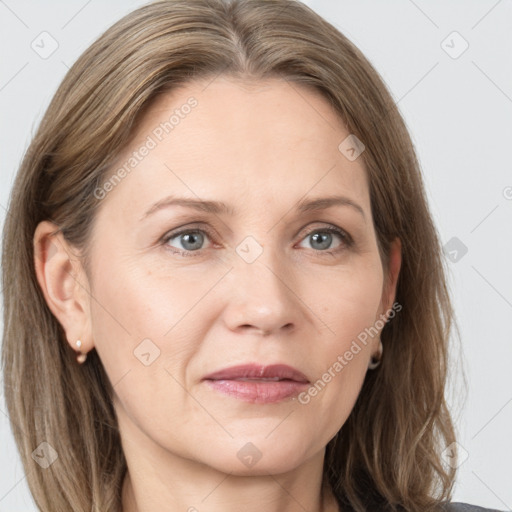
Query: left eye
pixel 323 238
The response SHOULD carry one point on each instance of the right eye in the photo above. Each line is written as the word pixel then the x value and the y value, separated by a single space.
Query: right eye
pixel 191 241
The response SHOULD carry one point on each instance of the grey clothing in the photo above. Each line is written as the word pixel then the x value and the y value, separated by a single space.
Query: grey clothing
pixel 465 507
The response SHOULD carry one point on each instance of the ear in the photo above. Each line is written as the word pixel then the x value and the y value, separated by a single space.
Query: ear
pixel 391 275
pixel 63 283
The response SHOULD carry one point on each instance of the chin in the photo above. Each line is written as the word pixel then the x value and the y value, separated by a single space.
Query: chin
pixel 272 466
pixel 258 457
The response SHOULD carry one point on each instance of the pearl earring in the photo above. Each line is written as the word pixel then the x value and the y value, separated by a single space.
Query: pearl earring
pixel 81 357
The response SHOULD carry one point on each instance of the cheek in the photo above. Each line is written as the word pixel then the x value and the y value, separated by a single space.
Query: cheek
pixel 349 308
pixel 144 356
pixel 139 323
pixel 350 302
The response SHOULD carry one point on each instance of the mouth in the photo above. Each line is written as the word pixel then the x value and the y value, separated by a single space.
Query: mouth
pixel 258 384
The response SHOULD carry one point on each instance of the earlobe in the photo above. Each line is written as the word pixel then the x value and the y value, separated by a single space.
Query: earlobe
pixel 63 283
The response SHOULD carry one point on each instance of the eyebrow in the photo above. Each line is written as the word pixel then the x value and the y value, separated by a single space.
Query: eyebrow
pixel 219 207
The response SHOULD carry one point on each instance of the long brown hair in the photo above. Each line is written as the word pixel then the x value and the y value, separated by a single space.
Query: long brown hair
pixel 388 453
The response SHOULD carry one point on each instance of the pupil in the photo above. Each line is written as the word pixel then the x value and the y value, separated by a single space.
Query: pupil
pixel 327 236
pixel 189 238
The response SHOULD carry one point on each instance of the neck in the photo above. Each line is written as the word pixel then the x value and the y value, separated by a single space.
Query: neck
pixel 227 493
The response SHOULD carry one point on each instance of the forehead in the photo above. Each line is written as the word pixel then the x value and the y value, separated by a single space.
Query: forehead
pixel 229 137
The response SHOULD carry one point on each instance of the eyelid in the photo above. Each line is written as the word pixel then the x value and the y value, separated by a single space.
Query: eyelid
pixel 333 229
pixel 188 228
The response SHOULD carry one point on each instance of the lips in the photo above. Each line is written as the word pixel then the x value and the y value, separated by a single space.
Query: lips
pixel 259 373
pixel 258 384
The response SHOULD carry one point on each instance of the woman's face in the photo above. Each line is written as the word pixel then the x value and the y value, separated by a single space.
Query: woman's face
pixel 250 275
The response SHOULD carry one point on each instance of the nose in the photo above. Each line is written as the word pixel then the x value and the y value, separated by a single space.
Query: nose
pixel 262 298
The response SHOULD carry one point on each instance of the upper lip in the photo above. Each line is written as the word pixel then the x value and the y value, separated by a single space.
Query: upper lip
pixel 256 371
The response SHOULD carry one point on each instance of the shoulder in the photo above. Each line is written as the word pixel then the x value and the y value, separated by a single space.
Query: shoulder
pixel 464 507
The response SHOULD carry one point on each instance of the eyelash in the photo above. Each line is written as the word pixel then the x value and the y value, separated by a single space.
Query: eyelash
pixel 347 241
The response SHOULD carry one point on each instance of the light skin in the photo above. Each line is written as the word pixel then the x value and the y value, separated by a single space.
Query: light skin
pixel 261 148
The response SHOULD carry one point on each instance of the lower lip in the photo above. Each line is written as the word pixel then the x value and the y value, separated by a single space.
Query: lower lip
pixel 259 392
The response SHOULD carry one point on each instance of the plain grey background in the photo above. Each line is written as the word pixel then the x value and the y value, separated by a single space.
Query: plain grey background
pixel 449 67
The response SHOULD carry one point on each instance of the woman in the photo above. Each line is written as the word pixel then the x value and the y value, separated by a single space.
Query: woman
pixel 252 368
